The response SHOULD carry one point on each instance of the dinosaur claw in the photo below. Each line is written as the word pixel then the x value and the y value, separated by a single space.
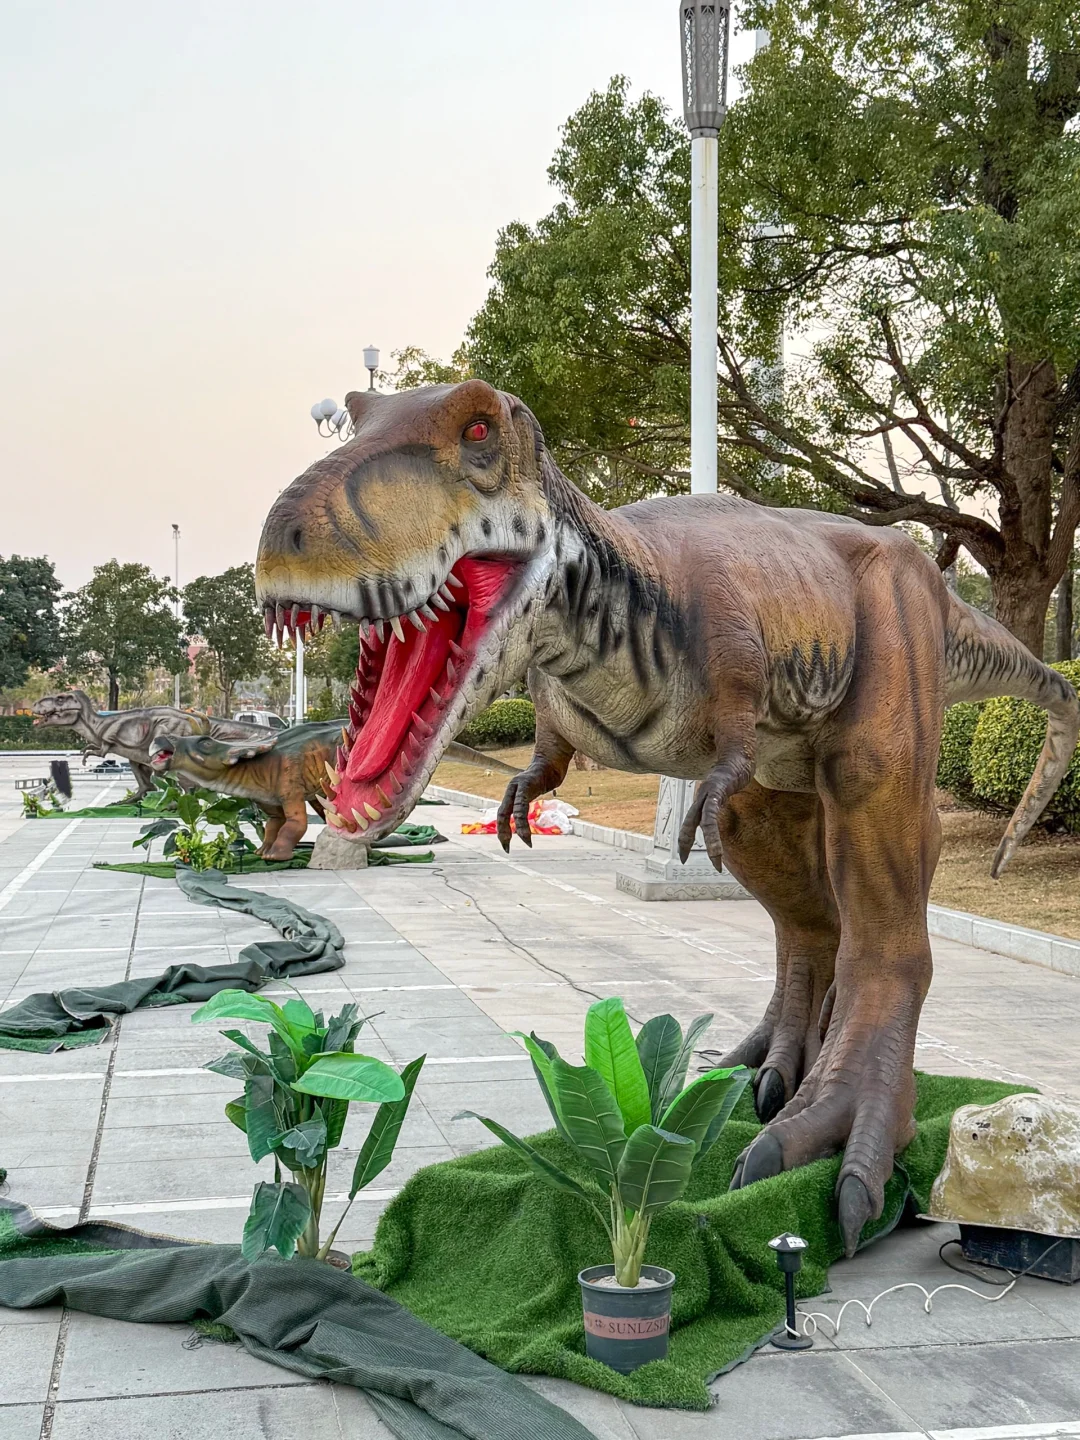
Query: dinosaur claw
pixel 769 1097
pixel 854 1209
pixel 504 841
pixel 763 1160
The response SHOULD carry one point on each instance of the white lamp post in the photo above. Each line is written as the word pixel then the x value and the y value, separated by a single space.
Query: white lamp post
pixel 371 361
pixel 176 603
pixel 703 40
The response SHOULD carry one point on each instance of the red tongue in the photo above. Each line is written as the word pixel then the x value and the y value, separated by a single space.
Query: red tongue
pixel 412 667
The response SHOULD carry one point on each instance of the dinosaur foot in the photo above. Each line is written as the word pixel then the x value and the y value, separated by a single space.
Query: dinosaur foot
pixel 859 1097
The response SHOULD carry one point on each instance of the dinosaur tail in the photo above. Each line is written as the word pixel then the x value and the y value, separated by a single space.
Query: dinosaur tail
pixel 982 659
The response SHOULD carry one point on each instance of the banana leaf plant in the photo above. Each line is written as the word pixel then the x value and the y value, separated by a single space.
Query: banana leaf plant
pixel 181 817
pixel 297 1093
pixel 629 1118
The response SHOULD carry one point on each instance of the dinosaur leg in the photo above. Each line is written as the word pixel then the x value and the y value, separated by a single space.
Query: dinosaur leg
pixel 291 832
pixel 773 842
pixel 876 776
pixel 274 821
pixel 144 778
pixel 547 768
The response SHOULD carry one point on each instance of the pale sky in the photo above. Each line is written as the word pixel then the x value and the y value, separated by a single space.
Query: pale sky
pixel 208 209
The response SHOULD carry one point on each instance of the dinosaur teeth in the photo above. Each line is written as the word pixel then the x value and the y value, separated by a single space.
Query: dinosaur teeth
pixel 346 738
pixel 375 814
pixel 395 784
pixel 436 699
pixel 428 613
pixel 380 631
pixel 406 763
pixel 446 592
pixel 452 579
pixel 268 621
pixel 335 618
pixel 356 715
pixel 421 724
pixel 342 760
pixel 451 671
pixel 279 625
pixel 395 625
pixel 382 796
pixel 333 774
pixel 315 613
pixel 456 651
pixel 332 817
pixel 294 615
pixel 439 603
pixel 365 628
pixel 414 619
pixel 363 824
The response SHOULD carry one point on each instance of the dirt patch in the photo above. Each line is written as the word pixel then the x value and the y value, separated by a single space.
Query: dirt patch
pixel 1040 889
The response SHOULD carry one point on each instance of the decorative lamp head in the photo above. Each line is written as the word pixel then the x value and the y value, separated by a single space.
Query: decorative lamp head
pixel 704 27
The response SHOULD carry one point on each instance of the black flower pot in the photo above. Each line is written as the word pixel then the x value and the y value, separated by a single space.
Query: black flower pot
pixel 625 1328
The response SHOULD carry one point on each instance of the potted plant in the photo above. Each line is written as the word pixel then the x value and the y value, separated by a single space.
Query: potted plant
pixel 640 1133
pixel 186 838
pixel 297 1094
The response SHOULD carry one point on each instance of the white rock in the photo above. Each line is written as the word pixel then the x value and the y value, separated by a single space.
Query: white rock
pixel 333 852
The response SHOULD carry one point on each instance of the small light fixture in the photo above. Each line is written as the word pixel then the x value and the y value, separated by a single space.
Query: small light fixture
pixel 329 413
pixel 789 1256
pixel 371 361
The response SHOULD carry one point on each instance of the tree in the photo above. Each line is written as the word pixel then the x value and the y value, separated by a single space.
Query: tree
pixel 900 192
pixel 413 367
pixel 222 610
pixel 120 624
pixel 29 621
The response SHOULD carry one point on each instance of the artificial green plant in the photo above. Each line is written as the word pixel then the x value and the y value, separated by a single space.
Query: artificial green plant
pixel 629 1118
pixel 297 1094
pixel 182 818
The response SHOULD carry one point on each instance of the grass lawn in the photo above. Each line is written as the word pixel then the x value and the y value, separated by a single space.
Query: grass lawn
pixel 1040 889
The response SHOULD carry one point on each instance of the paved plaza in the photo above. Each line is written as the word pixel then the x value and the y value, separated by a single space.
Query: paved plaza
pixel 452 956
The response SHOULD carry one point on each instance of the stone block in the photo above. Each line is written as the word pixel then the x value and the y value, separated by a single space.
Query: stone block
pixel 333 852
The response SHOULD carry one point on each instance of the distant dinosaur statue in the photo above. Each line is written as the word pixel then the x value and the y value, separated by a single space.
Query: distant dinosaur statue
pixel 128 733
pixel 796 663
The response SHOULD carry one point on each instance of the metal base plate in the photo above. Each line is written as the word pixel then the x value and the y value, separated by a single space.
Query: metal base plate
pixel 784 1340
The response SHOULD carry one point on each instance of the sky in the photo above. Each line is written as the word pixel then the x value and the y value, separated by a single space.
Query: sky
pixel 207 210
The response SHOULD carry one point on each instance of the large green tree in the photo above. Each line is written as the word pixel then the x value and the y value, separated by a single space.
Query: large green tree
pixel 29 620
pixel 900 194
pixel 221 609
pixel 119 625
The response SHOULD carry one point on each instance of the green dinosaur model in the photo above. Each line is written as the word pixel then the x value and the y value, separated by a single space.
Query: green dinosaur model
pixel 283 771
pixel 796 663
pixel 128 733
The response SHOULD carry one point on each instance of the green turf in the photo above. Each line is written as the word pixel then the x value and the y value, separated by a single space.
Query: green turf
pixel 486 1252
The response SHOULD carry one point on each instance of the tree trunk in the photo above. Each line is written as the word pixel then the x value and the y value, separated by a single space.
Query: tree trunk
pixel 114 692
pixel 1021 599
pixel 1065 615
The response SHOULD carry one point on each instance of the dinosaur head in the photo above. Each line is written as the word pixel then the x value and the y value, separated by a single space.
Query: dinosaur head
pixel 202 759
pixel 62 709
pixel 431 529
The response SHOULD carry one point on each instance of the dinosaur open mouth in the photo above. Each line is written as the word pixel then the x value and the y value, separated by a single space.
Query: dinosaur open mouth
pixel 411 668
pixel 159 759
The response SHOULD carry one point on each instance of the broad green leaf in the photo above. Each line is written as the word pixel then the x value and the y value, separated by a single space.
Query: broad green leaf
pixel 345 1076
pixel 306 1140
pixel 231 1065
pixel 676 1076
pixel 541 1055
pixel 239 1005
pixel 655 1169
pixel 540 1163
pixel 336 1112
pixel 189 808
pixel 693 1112
pixel 342 1030
pixel 740 1078
pixel 299 1014
pixel 276 1219
pixel 263 1123
pixel 236 1111
pixel 285 1064
pixel 378 1147
pixel 658 1044
pixel 591 1117
pixel 611 1052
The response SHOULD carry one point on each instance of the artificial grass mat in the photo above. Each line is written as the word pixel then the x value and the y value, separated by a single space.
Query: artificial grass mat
pixel 255 865
pixel 484 1251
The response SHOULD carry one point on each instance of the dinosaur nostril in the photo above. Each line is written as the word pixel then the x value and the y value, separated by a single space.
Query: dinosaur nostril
pixel 298 539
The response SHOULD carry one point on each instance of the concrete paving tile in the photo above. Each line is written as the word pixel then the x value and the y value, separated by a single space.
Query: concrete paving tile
pixel 28 1356
pixel 152 1143
pixel 458 1036
pixel 38 1146
pixel 39 1315
pixel 181 1178
pixel 46 1185
pixel 404 1164
pixel 941 1387
pixel 21 1422
pixel 115 1357
pixel 599 1413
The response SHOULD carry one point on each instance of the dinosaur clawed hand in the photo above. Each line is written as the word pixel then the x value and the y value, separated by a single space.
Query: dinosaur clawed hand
pixel 520 793
pixel 723 780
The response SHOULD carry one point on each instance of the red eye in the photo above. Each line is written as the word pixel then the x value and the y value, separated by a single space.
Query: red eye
pixel 478 430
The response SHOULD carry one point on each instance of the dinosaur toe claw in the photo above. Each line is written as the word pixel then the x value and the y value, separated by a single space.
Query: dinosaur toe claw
pixel 854 1209
pixel 764 1159
pixel 769 1096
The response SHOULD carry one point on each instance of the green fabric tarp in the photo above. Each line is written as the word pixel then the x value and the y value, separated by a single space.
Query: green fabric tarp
pixel 64 1019
pixel 303 1315
pixel 486 1252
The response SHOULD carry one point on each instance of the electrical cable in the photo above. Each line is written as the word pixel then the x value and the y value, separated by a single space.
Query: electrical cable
pixel 1003 1287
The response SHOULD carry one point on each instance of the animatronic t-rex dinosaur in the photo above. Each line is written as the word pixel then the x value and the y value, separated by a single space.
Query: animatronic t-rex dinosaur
pixel 283 773
pixel 128 733
pixel 796 663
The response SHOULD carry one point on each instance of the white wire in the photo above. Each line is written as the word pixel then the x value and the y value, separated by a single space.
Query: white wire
pixel 812 1316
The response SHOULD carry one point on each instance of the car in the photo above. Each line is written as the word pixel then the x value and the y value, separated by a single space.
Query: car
pixel 262 717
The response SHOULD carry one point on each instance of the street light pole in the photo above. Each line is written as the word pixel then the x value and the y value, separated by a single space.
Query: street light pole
pixel 703 41
pixel 176 602
pixel 300 691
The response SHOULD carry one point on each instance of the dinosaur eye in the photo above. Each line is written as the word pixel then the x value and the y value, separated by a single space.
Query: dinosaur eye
pixel 478 430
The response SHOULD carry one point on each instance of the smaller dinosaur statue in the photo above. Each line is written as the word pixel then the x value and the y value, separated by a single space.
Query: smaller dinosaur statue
pixel 282 772
pixel 128 733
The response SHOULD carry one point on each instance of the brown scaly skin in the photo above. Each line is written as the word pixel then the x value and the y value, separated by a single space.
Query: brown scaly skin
pixel 128 733
pixel 796 664
pixel 283 773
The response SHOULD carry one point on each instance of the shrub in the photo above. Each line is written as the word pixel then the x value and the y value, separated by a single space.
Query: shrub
pixel 506 722
pixel 634 1127
pixel 17 732
pixel 954 757
pixel 1005 747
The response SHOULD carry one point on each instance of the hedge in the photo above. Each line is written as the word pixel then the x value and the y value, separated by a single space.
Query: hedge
pixel 17 733
pixel 954 757
pixel 1005 747
pixel 506 722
